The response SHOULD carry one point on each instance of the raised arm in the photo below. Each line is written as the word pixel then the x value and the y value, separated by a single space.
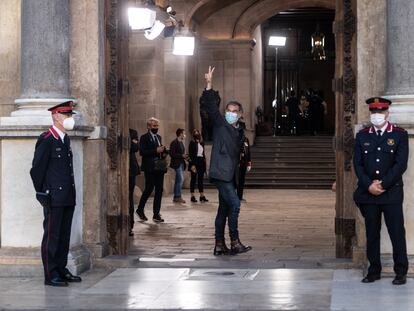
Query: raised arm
pixel 209 100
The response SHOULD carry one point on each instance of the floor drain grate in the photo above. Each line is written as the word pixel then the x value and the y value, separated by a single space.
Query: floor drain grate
pixel 216 273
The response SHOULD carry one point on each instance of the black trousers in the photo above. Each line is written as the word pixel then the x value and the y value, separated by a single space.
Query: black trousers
pixel 394 220
pixel 242 180
pixel 198 177
pixel 57 226
pixel 131 201
pixel 152 180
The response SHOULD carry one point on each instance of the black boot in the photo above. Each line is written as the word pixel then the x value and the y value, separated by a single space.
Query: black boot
pixel 193 199
pixel 237 247
pixel 203 199
pixel 221 248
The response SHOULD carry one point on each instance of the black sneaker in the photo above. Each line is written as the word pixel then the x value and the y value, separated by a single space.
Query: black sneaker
pixel 157 218
pixel 203 199
pixel 193 199
pixel 141 215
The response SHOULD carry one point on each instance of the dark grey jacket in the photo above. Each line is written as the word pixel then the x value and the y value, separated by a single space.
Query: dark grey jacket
pixel 227 141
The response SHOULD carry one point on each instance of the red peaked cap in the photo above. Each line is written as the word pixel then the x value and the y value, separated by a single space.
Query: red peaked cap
pixel 378 103
pixel 66 107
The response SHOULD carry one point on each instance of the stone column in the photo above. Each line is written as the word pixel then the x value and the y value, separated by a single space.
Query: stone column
pixel 400 89
pixel 400 63
pixel 44 57
pixel 45 74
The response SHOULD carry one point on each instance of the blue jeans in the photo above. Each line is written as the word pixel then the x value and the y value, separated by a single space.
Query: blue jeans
pixel 179 180
pixel 228 209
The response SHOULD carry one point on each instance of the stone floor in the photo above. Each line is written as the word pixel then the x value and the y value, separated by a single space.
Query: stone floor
pixel 210 289
pixel 171 267
pixel 286 228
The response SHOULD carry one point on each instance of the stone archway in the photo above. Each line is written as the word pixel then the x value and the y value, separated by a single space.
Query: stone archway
pixel 253 13
pixel 241 26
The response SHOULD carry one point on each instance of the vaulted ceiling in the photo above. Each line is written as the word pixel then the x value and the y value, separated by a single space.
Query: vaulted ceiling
pixel 236 19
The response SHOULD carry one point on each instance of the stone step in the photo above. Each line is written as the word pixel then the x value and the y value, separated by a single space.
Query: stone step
pixel 298 175
pixel 271 161
pixel 282 168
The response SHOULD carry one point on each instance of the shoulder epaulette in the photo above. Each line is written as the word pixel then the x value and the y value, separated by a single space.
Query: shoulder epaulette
pixel 45 135
pixel 365 130
pixel 400 129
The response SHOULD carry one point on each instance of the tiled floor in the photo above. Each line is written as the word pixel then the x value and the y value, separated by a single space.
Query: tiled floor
pixel 208 289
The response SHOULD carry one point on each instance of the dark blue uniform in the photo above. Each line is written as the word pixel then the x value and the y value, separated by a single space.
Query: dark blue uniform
pixel 382 158
pixel 52 172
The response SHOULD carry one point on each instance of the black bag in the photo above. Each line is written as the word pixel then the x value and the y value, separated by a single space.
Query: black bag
pixel 43 198
pixel 160 165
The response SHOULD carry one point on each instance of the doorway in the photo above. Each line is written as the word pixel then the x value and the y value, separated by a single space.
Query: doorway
pixel 343 85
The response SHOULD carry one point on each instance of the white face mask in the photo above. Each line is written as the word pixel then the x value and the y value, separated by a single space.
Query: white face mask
pixel 69 123
pixel 377 119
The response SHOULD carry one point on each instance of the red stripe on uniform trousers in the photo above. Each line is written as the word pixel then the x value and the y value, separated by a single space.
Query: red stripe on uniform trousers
pixel 47 242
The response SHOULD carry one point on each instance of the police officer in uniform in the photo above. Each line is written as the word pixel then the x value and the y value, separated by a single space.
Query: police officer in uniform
pixel 380 159
pixel 52 176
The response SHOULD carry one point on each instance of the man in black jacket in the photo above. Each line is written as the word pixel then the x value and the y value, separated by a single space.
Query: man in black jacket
pixel 154 167
pixel 52 176
pixel 227 140
pixel 133 172
pixel 380 159
pixel 178 157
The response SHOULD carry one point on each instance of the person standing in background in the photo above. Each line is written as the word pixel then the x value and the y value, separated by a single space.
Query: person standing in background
pixel 178 157
pixel 197 166
pixel 134 170
pixel 154 167
pixel 245 163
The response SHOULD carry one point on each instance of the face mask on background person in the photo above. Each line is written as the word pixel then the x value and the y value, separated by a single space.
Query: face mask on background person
pixel 377 119
pixel 231 117
pixel 69 123
pixel 154 131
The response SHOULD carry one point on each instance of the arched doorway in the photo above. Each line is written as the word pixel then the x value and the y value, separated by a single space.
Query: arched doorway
pixel 240 30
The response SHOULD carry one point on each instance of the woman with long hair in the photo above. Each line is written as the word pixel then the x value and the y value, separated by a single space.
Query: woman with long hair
pixel 197 165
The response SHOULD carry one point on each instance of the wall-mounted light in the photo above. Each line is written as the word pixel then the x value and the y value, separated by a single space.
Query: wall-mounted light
pixel 184 45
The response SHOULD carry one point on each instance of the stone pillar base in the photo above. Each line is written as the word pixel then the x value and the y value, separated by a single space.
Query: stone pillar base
pixel 402 110
pixel 27 261
pixel 36 106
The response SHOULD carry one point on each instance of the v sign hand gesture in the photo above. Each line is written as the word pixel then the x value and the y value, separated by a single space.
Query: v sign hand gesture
pixel 209 77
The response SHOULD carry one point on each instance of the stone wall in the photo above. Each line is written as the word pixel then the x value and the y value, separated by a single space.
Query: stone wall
pixel 9 55
pixel 232 76
pixel 371 53
pixel 87 81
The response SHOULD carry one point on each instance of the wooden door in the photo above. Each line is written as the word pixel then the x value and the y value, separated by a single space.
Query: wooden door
pixel 116 120
pixel 344 86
